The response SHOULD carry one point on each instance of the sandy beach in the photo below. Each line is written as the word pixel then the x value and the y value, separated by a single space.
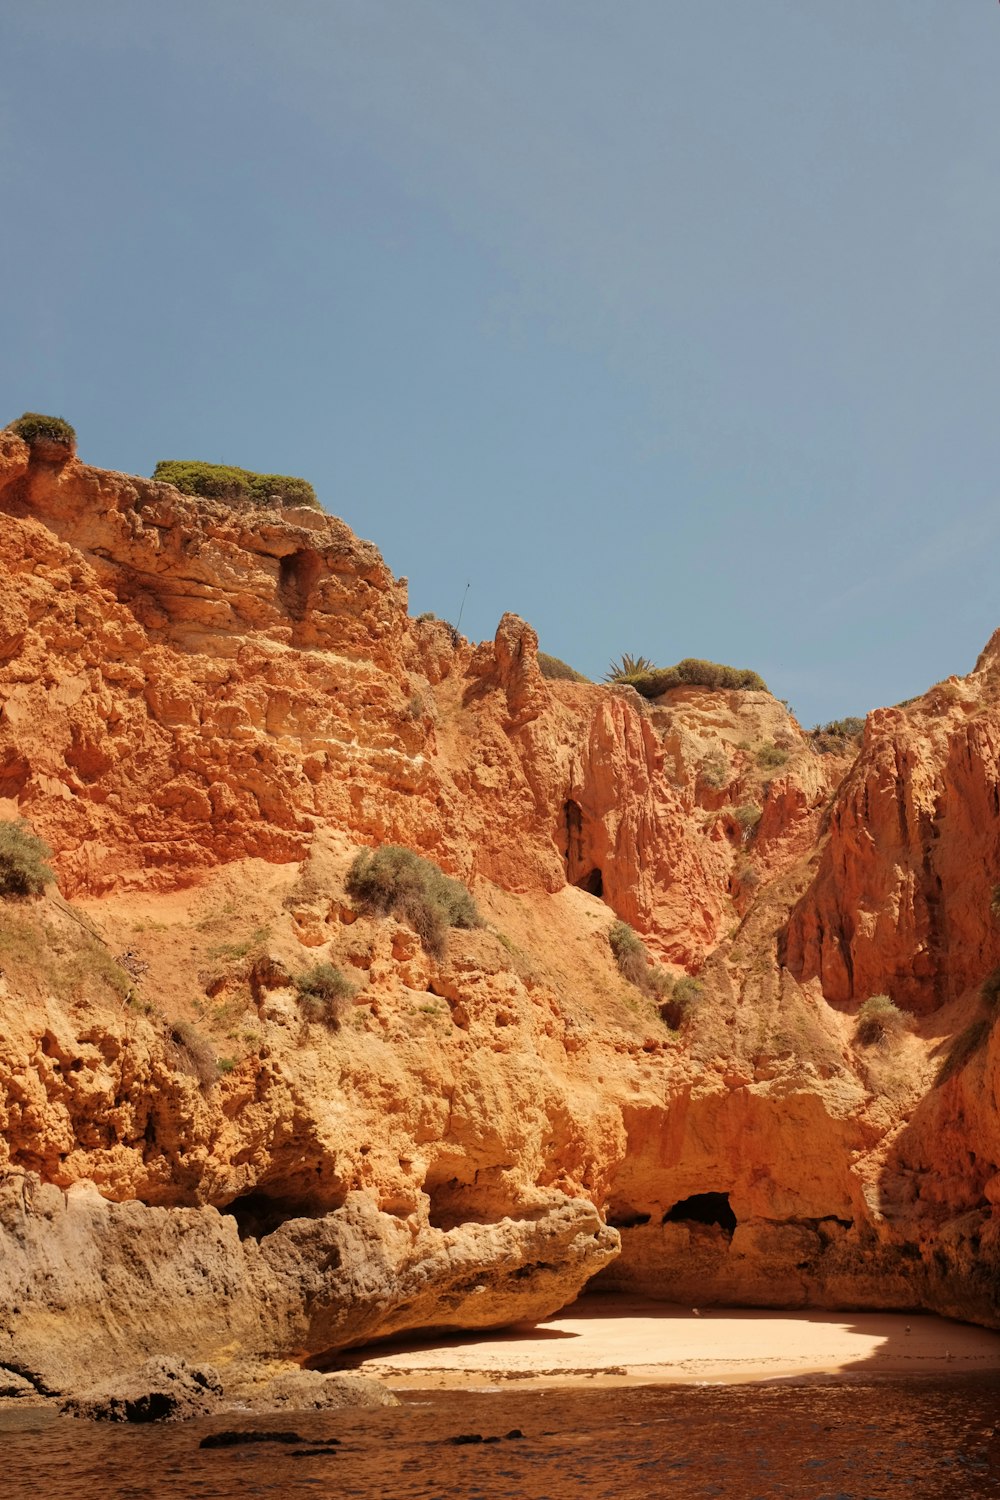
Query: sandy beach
pixel 623 1340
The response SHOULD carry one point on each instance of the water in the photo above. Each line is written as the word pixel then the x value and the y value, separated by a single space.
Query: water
pixel 922 1438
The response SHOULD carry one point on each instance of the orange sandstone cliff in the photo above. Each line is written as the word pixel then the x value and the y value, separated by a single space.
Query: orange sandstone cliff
pixel 205 712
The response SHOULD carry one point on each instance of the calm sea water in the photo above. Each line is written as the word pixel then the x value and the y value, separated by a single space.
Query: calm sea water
pixel 852 1440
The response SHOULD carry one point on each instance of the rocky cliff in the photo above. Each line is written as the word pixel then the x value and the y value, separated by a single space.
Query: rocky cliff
pixel 205 712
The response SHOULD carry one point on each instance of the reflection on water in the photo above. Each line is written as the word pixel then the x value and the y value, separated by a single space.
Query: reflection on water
pixel 849 1440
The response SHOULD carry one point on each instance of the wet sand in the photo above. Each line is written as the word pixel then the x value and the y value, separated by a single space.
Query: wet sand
pixel 618 1340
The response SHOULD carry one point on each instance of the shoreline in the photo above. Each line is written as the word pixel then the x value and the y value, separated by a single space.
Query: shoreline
pixel 614 1340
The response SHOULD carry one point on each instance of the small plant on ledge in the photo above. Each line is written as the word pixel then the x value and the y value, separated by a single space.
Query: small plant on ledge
pixel 325 994
pixel 879 1020
pixel 23 868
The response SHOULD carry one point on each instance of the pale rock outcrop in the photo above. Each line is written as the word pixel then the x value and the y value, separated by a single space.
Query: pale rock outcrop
pixel 88 1287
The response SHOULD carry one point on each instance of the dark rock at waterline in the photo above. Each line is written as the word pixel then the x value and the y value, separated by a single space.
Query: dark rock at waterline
pixel 161 1390
pixel 240 1438
pixel 477 1437
pixel 309 1390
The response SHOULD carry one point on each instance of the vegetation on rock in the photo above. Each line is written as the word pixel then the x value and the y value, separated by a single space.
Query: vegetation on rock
pixel 714 771
pixel 221 482
pixel 393 880
pixel 964 1046
pixel 833 738
pixel 747 816
pixel 558 671
pixel 324 993
pixel 769 757
pixel 195 1053
pixel 23 868
pixel 634 962
pixel 640 673
pixel 34 427
pixel 879 1020
pixel 684 997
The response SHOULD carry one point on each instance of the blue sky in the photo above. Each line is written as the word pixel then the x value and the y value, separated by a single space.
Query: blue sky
pixel 670 324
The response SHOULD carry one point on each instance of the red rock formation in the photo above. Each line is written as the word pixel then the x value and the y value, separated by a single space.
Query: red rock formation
pixel 901 903
pixel 205 711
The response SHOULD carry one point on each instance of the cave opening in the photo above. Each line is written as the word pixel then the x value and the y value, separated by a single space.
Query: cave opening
pixel 579 869
pixel 257 1214
pixel 703 1208
pixel 297 574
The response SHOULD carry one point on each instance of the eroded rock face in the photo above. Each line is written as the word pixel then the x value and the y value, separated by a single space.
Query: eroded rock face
pixel 161 1390
pixel 206 712
pixel 124 1280
pixel 902 898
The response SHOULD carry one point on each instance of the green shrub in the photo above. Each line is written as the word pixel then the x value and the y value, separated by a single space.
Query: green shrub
pixel 628 668
pixel 879 1020
pixel 324 994
pixel 556 670
pixel 769 757
pixel 747 816
pixel 684 998
pixel 398 881
pixel 633 962
pixel 833 738
pixel 651 682
pixel 23 871
pixel 34 428
pixel 629 953
pixel 221 482
pixel 714 771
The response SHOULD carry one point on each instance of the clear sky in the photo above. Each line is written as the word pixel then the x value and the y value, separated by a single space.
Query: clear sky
pixel 671 325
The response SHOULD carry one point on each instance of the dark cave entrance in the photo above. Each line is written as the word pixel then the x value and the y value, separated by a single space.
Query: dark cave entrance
pixel 297 574
pixel 703 1208
pixel 257 1215
pixel 579 871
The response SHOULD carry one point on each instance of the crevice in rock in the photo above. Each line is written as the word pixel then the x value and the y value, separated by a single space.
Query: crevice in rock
pixel 453 1202
pixel 579 869
pixel 297 574
pixel 626 1218
pixel 12 1367
pixel 258 1215
pixel 703 1208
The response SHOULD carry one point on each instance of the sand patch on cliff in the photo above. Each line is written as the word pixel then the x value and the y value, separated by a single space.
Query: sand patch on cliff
pixel 626 1340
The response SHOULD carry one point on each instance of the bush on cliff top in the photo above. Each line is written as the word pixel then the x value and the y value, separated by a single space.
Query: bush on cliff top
pixel 34 428
pixel 221 482
pixel 650 681
pixel 558 671
pixel 23 871
pixel 833 738
pixel 398 881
